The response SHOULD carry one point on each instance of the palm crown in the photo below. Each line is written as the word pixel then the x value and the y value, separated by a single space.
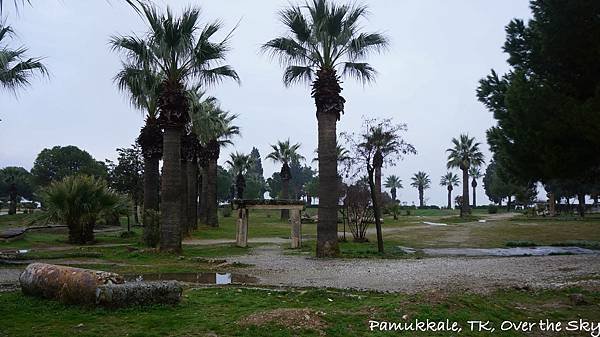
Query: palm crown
pixel 420 180
pixel 210 122
pixel 475 172
pixel 178 50
pixel 239 162
pixel 15 68
pixel 142 84
pixel 465 153
pixel 285 153
pixel 393 182
pixel 324 35
pixel 449 180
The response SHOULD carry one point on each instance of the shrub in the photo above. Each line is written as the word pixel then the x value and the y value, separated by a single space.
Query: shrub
pixel 78 202
pixel 492 209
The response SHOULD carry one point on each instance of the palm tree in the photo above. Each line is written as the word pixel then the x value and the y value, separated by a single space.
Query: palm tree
pixel 393 182
pixel 475 174
pixel 142 85
pixel 179 51
pixel 239 163
pixel 325 38
pixel 214 128
pixel 285 153
pixel 463 155
pixel 16 69
pixel 450 180
pixel 421 182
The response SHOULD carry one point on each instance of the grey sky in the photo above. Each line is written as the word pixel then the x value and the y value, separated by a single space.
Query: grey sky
pixel 440 49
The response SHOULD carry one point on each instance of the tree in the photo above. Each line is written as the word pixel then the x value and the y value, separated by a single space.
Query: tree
pixel 62 161
pixel 78 202
pixel 224 185
pixel 16 183
pixel 16 69
pixel 143 87
pixel 127 176
pixel 421 182
pixel 180 51
pixel 256 175
pixel 378 144
pixel 475 174
pixel 215 128
pixel 393 182
pixel 450 180
pixel 463 155
pixel 326 38
pixel 284 153
pixel 547 105
pixel 498 184
pixel 239 163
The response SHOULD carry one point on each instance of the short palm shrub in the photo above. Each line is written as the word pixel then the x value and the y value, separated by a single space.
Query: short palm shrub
pixel 78 202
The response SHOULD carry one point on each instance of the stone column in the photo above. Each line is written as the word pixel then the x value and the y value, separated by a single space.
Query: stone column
pixel 296 228
pixel 242 228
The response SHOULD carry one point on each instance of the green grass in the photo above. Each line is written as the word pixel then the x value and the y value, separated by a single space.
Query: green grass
pixel 361 250
pixel 218 311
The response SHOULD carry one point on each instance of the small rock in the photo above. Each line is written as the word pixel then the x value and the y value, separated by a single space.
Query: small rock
pixel 578 299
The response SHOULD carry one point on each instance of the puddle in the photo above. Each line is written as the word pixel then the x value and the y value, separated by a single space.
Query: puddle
pixel 434 223
pixel 515 251
pixel 199 278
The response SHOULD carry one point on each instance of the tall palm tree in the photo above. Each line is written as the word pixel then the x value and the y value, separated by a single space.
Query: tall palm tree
pixel 450 180
pixel 16 69
pixel 215 129
pixel 142 84
pixel 474 173
pixel 239 163
pixel 421 182
pixel 179 51
pixel 393 183
pixel 324 38
pixel 285 153
pixel 464 154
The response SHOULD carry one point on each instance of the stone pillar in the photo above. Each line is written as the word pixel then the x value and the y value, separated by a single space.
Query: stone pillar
pixel 242 228
pixel 296 228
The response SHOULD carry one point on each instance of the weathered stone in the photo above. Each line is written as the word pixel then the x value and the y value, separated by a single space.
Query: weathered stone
pixel 91 287
pixel 139 293
pixel 65 284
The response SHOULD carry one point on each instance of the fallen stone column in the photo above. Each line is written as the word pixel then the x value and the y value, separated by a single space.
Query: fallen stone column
pixel 90 287
pixel 65 284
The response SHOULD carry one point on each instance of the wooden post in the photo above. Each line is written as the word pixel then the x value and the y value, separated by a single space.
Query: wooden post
pixel 242 228
pixel 296 228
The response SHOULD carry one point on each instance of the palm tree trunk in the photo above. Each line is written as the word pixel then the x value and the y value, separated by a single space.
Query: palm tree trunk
pixel 212 218
pixel 203 194
pixel 465 202
pixel 474 185
pixel 327 240
pixel 285 194
pixel 581 204
pixel 449 197
pixel 421 203
pixel 192 189
pixel 185 224
pixel 170 206
pixel 393 192
pixel 378 185
pixel 509 203
pixel 376 199
pixel 151 183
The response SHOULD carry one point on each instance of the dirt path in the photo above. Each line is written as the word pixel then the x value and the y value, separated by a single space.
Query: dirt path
pixel 417 275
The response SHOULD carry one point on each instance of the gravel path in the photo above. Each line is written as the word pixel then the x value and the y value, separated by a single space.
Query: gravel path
pixel 417 275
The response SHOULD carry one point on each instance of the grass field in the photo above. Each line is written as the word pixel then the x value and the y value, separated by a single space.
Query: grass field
pixel 235 311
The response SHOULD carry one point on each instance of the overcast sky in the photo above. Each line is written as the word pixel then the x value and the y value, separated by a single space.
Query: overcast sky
pixel 439 51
